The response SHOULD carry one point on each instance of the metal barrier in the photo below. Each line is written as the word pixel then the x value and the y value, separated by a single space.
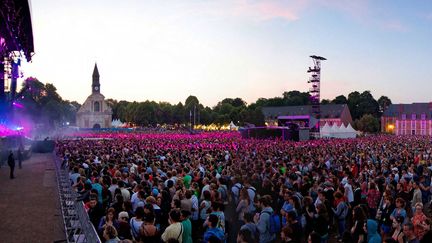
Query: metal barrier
pixel 77 225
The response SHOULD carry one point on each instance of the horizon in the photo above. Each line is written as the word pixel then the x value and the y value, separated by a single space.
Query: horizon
pixel 164 52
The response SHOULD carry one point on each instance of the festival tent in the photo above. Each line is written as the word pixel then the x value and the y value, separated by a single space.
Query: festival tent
pixel 334 131
pixel 232 126
pixel 350 132
pixel 117 123
pixel 325 131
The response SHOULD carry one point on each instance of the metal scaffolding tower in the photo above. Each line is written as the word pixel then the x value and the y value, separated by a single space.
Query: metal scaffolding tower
pixel 314 91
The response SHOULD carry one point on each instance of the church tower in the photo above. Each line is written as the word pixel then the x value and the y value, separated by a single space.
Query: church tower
pixel 95 83
pixel 95 112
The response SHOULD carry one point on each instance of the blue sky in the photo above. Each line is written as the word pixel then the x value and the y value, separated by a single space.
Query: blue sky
pixel 167 50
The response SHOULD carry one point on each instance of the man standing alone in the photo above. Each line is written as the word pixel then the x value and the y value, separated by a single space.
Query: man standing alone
pixel 11 163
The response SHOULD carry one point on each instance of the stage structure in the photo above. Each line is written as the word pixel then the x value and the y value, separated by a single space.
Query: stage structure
pixel 16 43
pixel 315 90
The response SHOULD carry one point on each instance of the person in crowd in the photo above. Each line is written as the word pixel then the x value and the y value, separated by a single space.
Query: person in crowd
pixel 109 219
pixel 398 234
pixel 372 197
pixel 11 163
pixel 408 230
pixel 95 210
pixel 175 229
pixel 286 234
pixel 245 236
pixel 399 210
pixel 340 212
pixel 359 220
pixel 371 228
pixel 419 220
pixel 314 237
pixel 110 234
pixel 124 229
pixel 148 231
pixel 262 220
pixel 213 230
pixel 136 222
pixel 187 226
pixel 218 166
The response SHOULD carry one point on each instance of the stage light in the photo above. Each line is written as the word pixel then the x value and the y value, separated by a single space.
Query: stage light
pixel 390 126
pixel 18 105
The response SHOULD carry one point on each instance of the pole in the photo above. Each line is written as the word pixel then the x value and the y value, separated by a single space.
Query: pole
pixel 190 119
pixel 194 121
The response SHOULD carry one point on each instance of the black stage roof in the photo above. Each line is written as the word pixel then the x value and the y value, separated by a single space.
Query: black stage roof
pixel 16 27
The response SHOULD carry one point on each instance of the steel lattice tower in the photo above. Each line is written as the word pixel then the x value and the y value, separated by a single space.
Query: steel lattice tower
pixel 314 91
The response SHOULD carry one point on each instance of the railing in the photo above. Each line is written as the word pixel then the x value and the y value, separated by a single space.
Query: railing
pixel 77 225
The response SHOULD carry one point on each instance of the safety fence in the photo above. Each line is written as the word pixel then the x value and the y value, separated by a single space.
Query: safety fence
pixel 77 225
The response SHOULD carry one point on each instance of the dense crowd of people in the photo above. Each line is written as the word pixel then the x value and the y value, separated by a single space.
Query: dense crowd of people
pixel 217 187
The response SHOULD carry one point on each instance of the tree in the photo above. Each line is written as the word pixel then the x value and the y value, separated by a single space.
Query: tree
pixel 368 123
pixel 384 102
pixel 361 104
pixel 178 114
pixel 341 99
pixel 296 98
pixel 276 101
pixel 43 104
pixel 325 102
pixel 191 108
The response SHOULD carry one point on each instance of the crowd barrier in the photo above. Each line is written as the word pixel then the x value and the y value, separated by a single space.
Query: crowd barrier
pixel 77 225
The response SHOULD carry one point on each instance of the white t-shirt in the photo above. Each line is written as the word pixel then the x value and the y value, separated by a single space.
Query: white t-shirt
pixel 349 192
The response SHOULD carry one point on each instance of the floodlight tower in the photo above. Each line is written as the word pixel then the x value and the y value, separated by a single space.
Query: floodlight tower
pixel 314 91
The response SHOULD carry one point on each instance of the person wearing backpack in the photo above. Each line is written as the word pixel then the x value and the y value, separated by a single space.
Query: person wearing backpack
pixel 252 193
pixel 263 221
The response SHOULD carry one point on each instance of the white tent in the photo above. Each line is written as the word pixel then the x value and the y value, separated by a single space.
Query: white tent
pixel 350 132
pixel 334 131
pixel 325 131
pixel 116 123
pixel 232 126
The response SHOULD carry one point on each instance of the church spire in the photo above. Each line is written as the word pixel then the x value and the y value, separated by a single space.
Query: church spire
pixel 95 83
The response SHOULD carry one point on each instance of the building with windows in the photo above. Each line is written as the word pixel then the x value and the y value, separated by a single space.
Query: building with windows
pixel 408 119
pixel 331 114
pixel 95 112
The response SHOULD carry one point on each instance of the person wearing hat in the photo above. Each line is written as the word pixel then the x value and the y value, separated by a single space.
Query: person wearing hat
pixel 124 229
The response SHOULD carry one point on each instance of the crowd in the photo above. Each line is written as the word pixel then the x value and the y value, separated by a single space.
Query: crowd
pixel 217 187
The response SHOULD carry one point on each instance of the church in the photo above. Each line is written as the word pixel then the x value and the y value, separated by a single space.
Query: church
pixel 95 112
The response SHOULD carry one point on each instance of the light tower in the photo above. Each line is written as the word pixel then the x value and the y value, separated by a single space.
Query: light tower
pixel 314 91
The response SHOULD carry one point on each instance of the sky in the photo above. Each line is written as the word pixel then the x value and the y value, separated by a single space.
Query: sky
pixel 167 50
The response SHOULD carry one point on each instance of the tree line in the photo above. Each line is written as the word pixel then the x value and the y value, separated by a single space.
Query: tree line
pixel 42 102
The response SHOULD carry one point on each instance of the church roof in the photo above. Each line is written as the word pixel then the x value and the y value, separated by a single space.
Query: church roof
pixel 95 71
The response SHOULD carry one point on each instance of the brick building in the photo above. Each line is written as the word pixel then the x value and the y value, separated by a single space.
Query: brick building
pixel 408 119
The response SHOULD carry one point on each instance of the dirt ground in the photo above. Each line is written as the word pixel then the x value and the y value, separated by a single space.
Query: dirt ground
pixel 29 207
